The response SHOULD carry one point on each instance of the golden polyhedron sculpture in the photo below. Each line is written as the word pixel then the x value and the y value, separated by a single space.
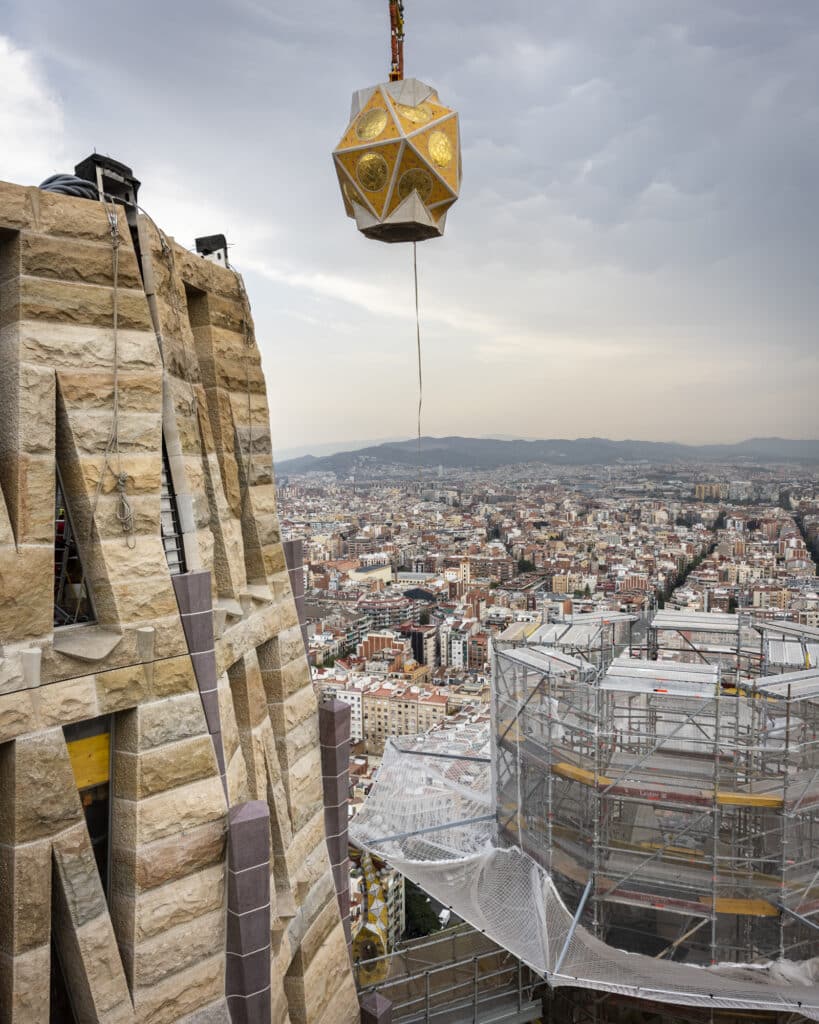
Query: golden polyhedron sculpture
pixel 399 162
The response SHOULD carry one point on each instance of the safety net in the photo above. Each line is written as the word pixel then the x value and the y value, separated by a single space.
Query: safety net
pixel 431 815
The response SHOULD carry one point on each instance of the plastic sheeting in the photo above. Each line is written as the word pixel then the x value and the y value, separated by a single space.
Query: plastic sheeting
pixel 431 817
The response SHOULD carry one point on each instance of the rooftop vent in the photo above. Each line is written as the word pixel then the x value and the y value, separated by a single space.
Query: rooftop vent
pixel 213 248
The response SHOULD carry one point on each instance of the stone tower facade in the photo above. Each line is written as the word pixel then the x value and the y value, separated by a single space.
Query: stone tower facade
pixel 162 840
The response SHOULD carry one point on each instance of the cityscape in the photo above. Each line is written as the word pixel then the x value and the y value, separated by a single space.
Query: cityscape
pixel 403 611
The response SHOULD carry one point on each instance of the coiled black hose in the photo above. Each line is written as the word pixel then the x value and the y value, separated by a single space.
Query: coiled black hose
pixel 70 185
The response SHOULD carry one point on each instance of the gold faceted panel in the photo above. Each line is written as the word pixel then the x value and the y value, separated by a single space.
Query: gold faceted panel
pixel 413 118
pixel 350 193
pixel 437 211
pixel 372 171
pixel 415 179
pixel 369 172
pixel 393 151
pixel 440 146
pixel 440 149
pixel 413 169
pixel 375 114
pixel 422 114
pixel 371 124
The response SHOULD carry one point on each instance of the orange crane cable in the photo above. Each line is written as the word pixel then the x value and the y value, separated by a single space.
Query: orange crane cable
pixel 397 40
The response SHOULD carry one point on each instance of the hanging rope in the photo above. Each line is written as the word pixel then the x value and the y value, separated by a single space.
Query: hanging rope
pixel 124 511
pixel 247 352
pixel 418 346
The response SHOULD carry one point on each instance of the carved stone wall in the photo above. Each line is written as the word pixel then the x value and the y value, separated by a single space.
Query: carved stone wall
pixel 210 709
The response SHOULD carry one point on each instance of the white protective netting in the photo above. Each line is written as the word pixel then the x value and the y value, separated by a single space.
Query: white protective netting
pixel 505 893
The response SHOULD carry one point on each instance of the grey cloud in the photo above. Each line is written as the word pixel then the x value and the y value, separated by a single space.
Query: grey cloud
pixel 640 179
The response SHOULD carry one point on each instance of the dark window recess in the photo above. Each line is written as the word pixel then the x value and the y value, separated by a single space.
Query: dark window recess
pixel 169 519
pixel 60 1009
pixel 72 597
pixel 89 750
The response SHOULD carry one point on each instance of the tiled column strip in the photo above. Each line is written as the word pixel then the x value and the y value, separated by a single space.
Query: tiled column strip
pixel 247 984
pixel 334 737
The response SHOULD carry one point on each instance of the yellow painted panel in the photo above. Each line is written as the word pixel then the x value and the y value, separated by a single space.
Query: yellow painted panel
pixel 350 193
pixel 90 760
pixel 413 163
pixel 360 165
pixel 368 127
pixel 439 145
pixel 730 799
pixel 569 771
pixel 747 908
pixel 413 118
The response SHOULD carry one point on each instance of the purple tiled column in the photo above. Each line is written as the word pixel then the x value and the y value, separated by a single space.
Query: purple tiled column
pixel 375 1009
pixel 247 973
pixel 334 736
pixel 294 559
pixel 247 980
pixel 196 610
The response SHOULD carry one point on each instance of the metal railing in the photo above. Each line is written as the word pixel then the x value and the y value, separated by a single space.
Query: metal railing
pixel 490 985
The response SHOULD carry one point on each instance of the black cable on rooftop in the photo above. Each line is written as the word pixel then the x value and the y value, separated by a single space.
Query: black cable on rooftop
pixel 70 185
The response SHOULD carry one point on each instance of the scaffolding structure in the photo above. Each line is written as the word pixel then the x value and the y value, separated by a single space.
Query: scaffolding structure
pixel 686 812
pixel 714 638
pixel 639 827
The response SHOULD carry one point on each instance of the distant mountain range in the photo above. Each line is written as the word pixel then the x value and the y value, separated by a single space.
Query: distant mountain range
pixel 490 453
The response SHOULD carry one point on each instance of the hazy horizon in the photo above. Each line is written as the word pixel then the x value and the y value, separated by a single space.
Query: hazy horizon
pixel 334 447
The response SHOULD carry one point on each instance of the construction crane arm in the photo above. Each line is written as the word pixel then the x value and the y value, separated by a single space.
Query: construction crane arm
pixel 397 39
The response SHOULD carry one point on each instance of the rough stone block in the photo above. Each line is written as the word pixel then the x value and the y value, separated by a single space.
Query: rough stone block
pixel 179 855
pixel 26 591
pixel 159 722
pixel 18 714
pixel 180 809
pixel 74 700
pixel 41 798
pixel 173 677
pixel 25 884
pixel 191 989
pixel 175 765
pixel 78 876
pixel 174 949
pixel 180 901
pixel 23 996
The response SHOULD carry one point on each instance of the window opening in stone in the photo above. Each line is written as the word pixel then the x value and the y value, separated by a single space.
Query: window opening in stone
pixel 72 596
pixel 169 519
pixel 60 1009
pixel 89 749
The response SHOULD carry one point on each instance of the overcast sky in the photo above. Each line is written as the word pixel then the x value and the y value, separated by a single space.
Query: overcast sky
pixel 634 253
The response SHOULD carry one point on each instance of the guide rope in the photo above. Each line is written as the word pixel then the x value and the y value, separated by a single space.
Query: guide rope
pixel 124 512
pixel 418 346
pixel 248 346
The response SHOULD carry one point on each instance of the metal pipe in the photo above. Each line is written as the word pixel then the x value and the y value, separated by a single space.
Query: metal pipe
pixel 430 828
pixel 575 921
